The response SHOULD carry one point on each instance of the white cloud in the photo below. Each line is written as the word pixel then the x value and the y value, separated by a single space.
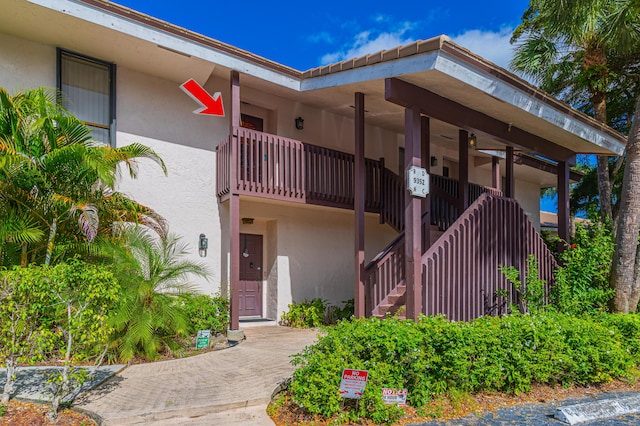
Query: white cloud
pixel 371 41
pixel 322 37
pixel 491 45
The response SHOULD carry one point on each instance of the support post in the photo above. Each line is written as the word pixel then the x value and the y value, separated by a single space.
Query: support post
pixel 426 164
pixel 463 172
pixel 359 193
pixel 234 205
pixel 509 186
pixel 412 216
pixel 564 222
pixel 496 176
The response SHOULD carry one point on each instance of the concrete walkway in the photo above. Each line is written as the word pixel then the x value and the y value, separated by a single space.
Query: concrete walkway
pixel 230 387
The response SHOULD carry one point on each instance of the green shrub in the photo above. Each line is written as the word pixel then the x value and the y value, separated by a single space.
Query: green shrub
pixel 207 312
pixel 582 283
pixel 531 292
pixel 316 313
pixel 435 356
pixel 306 314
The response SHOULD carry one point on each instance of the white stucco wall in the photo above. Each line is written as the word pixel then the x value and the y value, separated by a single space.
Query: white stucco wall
pixel 156 113
pixel 25 65
pixel 314 249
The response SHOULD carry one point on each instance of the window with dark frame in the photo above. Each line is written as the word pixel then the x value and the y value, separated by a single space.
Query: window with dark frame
pixel 87 87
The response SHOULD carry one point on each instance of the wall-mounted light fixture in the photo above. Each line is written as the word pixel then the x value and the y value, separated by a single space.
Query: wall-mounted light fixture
pixel 203 245
pixel 247 221
pixel 299 123
pixel 245 251
pixel 473 141
pixel 434 161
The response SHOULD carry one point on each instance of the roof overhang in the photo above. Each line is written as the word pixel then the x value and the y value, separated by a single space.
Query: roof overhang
pixel 141 42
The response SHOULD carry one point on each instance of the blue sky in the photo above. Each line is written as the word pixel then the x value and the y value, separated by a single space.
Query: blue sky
pixel 304 35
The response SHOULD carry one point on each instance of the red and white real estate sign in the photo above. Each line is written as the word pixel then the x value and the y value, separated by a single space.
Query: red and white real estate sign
pixel 353 383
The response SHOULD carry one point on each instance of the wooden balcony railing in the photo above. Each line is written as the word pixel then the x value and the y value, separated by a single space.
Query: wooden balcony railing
pixel 264 165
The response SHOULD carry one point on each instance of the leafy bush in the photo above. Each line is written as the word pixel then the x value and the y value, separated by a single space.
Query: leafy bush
pixel 59 309
pixel 315 313
pixel 207 313
pixel 531 292
pixel 306 314
pixel 582 283
pixel 435 356
pixel 154 274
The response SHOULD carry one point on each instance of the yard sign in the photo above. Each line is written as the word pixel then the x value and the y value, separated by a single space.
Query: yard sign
pixel 353 383
pixel 202 341
pixel 394 396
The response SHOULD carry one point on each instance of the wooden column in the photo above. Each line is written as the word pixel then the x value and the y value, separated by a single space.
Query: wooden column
pixel 463 172
pixel 509 186
pixel 426 164
pixel 496 176
pixel 564 223
pixel 359 193
pixel 412 216
pixel 234 205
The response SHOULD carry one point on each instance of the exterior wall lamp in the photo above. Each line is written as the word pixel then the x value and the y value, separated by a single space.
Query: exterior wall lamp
pixel 434 161
pixel 245 251
pixel 473 141
pixel 299 123
pixel 203 245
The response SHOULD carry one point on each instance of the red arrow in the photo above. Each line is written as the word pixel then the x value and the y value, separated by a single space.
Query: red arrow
pixel 211 105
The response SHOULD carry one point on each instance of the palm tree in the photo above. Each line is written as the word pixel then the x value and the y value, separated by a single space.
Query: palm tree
pixel 573 42
pixel 52 170
pixel 154 274
pixel 569 47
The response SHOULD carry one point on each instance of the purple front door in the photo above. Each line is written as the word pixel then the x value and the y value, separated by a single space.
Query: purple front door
pixel 250 299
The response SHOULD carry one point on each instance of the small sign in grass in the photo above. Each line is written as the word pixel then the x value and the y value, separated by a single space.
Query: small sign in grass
pixel 202 340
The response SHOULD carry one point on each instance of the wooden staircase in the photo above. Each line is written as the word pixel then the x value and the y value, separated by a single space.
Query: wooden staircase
pixel 395 301
pixel 460 271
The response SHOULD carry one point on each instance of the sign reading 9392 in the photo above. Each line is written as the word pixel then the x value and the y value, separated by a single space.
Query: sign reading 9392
pixel 418 181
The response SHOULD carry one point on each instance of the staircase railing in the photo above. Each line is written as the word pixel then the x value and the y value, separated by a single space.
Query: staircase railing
pixel 461 275
pixel 384 274
pixel 461 272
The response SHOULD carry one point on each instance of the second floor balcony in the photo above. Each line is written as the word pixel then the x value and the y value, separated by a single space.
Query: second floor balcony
pixel 257 164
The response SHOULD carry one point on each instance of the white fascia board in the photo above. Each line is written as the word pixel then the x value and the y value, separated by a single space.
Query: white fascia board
pixel 158 37
pixel 500 90
pixel 381 70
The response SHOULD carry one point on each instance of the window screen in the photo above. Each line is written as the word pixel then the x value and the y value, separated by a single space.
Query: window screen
pixel 87 87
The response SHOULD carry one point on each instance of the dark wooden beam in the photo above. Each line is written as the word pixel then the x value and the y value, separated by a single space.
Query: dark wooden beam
pixel 496 176
pixel 426 164
pixel 564 224
pixel 463 170
pixel 234 207
pixel 510 182
pixel 545 166
pixel 412 216
pixel 359 192
pixel 411 96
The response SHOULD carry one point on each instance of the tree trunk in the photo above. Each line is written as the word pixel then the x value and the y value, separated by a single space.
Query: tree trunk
pixel 52 236
pixel 599 100
pixel 9 385
pixel 623 272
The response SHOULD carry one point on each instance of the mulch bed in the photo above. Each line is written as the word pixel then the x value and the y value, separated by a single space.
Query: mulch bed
pixel 20 413
pixel 286 412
